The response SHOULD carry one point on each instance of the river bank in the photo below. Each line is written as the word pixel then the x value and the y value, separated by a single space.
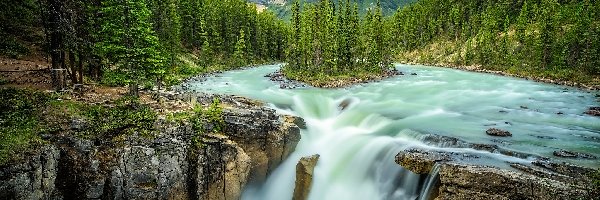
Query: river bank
pixel 480 69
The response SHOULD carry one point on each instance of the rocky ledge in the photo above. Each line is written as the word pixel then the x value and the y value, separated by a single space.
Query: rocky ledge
pixel 462 176
pixel 176 163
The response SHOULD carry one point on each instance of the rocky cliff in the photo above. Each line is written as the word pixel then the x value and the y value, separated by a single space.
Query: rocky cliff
pixel 167 165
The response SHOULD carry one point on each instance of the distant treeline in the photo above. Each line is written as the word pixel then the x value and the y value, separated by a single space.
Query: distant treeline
pixel 553 38
pixel 330 40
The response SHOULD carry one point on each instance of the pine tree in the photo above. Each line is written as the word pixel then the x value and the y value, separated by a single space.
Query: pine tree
pixel 294 46
pixel 522 22
pixel 240 50
pixel 128 41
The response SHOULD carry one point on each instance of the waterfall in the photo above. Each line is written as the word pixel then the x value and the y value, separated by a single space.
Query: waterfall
pixel 433 179
pixel 356 160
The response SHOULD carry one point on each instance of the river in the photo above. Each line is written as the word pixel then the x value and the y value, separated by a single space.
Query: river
pixel 357 145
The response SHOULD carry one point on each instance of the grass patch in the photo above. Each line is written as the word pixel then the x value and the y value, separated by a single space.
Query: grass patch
pixel 27 114
pixel 128 116
pixel 209 119
pixel 596 179
pixel 20 122
pixel 125 116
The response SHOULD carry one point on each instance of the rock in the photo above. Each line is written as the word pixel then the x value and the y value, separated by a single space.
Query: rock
pixel 524 107
pixel 78 124
pixel 480 182
pixel 284 82
pixel 172 164
pixel 267 138
pixel 32 179
pixel 593 111
pixel 298 121
pixel 498 132
pixel 344 104
pixel 413 74
pixel 569 154
pixel 222 171
pixel 461 180
pixel 304 176
pixel 418 161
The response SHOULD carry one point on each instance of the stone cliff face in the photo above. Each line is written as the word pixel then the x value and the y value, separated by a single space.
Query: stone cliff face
pixel 166 166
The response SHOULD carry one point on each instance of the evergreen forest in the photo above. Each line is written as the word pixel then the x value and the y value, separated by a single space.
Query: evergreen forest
pixel 150 43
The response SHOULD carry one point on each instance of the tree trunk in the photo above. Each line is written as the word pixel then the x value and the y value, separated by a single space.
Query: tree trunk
pixel 134 89
pixel 55 38
pixel 80 68
pixel 73 71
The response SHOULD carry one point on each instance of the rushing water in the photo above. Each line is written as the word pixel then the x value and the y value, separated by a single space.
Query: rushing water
pixel 357 145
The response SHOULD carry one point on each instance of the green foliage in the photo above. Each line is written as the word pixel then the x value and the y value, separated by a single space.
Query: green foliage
pixel 240 49
pixel 9 46
pixel 19 122
pixel 128 116
pixel 210 118
pixel 128 41
pixel 18 27
pixel 3 82
pixel 547 39
pixel 207 119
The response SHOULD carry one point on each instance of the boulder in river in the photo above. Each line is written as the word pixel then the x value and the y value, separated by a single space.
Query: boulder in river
pixel 593 111
pixel 344 104
pixel 304 176
pixel 498 132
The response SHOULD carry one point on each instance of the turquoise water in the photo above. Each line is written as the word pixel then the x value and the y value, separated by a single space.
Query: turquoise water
pixel 358 145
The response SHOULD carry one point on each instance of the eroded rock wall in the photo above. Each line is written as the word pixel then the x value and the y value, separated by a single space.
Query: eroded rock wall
pixel 168 165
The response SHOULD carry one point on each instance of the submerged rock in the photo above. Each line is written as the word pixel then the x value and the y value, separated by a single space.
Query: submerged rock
pixel 498 132
pixel 304 176
pixel 569 154
pixel 344 104
pixel 284 82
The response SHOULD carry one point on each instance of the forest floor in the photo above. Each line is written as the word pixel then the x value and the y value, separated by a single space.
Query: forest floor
pixel 32 72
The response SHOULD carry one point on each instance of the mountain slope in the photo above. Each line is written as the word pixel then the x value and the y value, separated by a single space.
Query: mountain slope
pixel 282 7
